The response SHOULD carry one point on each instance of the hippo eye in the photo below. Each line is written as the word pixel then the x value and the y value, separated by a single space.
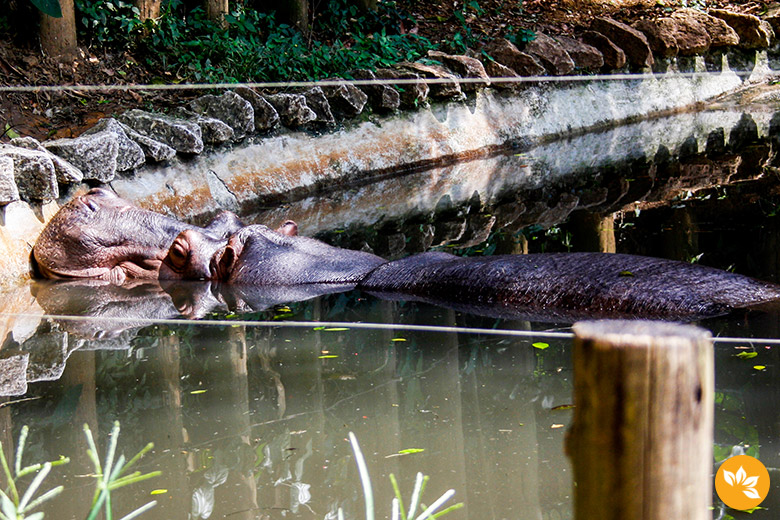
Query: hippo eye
pixel 178 255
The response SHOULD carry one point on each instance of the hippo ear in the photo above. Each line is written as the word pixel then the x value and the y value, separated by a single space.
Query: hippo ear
pixel 289 228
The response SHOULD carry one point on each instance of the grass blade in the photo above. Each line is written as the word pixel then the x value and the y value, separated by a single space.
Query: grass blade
pixel 132 479
pixel 448 510
pixel 138 455
pixel 34 485
pixel 113 438
pixel 368 493
pixel 436 505
pixel 398 496
pixel 416 494
pixel 395 513
pixel 144 508
pixel 46 496
pixel 8 476
pixel 20 449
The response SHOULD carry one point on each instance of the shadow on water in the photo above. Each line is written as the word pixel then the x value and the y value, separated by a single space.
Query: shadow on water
pixel 249 419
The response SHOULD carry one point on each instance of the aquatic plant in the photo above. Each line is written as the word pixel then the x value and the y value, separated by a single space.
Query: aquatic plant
pixel 18 505
pixel 398 512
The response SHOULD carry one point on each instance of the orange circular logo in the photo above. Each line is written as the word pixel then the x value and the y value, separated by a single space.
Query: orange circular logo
pixel 742 482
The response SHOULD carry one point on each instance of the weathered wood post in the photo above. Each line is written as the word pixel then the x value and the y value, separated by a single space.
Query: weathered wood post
pixel 642 432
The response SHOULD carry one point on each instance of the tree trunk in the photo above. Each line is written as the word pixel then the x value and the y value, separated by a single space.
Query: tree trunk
pixel 58 35
pixel 216 11
pixel 148 9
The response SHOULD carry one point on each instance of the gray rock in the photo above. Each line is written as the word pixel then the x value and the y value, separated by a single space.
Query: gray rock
pixel 266 116
pixel 505 53
pixel 213 131
pixel 346 100
pixel 48 353
pixel 13 370
pixel 382 97
pixel 465 67
pixel 153 150
pixel 292 108
pixel 550 54
pixel 752 31
pixel 130 155
pixel 721 34
pixel 496 70
pixel 33 173
pixel 412 94
pixel 585 57
pixel 66 173
pixel 8 190
pixel 230 108
pixel 633 42
pixel 661 35
pixel 316 100
pixel 447 90
pixel 183 136
pixel 614 57
pixel 96 155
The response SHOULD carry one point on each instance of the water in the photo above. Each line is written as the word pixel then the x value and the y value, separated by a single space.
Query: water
pixel 250 411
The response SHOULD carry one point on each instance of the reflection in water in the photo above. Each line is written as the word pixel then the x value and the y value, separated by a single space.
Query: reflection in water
pixel 251 421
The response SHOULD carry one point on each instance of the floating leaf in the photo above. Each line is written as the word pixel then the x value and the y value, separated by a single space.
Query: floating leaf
pixel 625 273
pixel 760 367
pixel 409 451
pixel 562 407
pixel 747 355
pixel 158 491
pixel 540 345
pixel 556 426
pixel 327 356
pixel 194 392
pixel 336 329
pixel 319 328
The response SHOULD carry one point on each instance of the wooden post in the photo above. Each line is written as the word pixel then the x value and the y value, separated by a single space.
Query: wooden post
pixel 642 432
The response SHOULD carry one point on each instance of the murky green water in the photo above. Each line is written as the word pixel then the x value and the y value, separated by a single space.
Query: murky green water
pixel 249 412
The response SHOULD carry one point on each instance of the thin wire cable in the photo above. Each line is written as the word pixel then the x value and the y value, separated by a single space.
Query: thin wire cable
pixel 399 81
pixel 342 325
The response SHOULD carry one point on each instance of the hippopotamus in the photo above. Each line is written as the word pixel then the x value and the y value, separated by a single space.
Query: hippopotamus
pixel 553 284
pixel 99 235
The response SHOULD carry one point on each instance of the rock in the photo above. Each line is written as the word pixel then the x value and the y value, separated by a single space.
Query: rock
pixel 692 36
pixel 745 132
pixel 153 150
pixel 633 42
pixel 505 53
pixel 413 94
pixel 8 190
pixel 550 54
pixel 614 57
pixel 212 130
pixel 585 57
pixel 496 70
pixel 447 90
pixel 466 67
pixel 752 31
pixel 129 154
pixel 33 173
pixel 96 155
pixel 66 173
pixel 266 116
pixel 721 34
pixel 661 34
pixel 345 99
pixel 316 100
pixel 230 108
pixel 183 136
pixel 13 370
pixel 382 97
pixel 292 108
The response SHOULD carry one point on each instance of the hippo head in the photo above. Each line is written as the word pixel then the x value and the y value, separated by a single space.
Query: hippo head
pixel 99 235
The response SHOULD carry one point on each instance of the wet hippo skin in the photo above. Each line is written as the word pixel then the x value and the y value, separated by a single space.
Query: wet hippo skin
pixel 101 236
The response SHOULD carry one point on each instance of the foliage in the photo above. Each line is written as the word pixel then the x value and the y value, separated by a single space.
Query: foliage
pixel 112 475
pixel 49 7
pixel 398 512
pixel 253 46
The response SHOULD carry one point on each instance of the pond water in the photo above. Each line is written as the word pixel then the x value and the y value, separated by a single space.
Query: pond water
pixel 249 408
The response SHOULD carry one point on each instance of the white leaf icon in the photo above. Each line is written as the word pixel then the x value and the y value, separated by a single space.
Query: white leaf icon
pixel 741 474
pixel 728 477
pixel 751 493
pixel 750 482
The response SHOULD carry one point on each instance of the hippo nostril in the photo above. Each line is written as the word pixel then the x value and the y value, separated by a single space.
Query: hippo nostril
pixel 91 204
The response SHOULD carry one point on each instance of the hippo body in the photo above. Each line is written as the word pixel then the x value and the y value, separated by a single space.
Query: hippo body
pixel 569 285
pixel 101 236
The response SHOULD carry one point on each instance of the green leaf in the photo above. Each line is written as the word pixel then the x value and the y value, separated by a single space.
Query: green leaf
pixel 747 355
pixel 50 7
pixel 540 345
pixel 409 451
